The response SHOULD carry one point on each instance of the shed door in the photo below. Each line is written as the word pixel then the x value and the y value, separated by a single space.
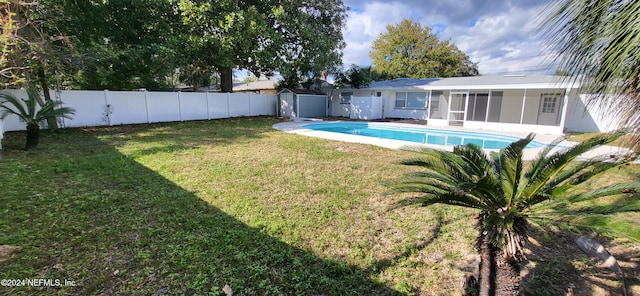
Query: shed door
pixel 286 105
pixel 312 106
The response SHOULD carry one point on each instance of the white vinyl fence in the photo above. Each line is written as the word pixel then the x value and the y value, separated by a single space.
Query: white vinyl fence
pixel 98 108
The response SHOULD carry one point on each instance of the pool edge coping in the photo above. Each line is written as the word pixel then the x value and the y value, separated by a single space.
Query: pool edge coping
pixel 296 127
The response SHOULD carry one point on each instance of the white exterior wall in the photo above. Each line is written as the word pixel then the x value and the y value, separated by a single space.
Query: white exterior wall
pixel 583 118
pixel 344 110
pixel 512 127
pixel 511 106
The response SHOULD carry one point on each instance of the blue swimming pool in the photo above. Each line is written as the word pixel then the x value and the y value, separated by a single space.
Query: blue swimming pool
pixel 419 134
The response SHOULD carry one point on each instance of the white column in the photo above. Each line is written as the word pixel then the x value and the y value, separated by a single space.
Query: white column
pixel 524 102
pixel 565 103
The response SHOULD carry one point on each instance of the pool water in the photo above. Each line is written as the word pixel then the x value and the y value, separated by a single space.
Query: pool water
pixel 420 135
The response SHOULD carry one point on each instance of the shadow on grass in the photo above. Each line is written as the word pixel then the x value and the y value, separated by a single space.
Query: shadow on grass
pixel 114 227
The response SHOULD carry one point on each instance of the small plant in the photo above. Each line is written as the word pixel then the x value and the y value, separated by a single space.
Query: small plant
pixel 106 114
pixel 25 109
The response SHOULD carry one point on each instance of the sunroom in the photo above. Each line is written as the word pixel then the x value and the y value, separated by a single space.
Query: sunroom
pixel 511 103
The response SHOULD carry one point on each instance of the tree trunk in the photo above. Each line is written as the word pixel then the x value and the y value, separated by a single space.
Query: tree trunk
pixel 487 267
pixel 33 135
pixel 226 79
pixel 507 276
pixel 44 84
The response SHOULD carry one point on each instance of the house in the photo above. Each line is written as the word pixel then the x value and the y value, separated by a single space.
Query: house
pixel 302 103
pixel 525 103
pixel 256 87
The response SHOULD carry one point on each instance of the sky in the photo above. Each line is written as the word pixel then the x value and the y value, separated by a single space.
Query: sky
pixel 501 36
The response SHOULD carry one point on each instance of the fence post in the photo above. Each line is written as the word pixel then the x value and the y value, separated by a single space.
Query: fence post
pixel 108 107
pixel 180 105
pixel 146 105
pixel 206 96
pixel 228 108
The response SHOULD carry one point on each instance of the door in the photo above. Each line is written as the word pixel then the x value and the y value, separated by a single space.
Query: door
pixel 286 105
pixel 549 111
pixel 457 106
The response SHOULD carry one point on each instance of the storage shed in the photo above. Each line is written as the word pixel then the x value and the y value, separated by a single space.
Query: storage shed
pixel 302 103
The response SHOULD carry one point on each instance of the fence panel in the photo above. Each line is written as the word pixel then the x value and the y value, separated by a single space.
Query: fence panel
pixel 163 106
pixel 126 107
pixel 95 108
pixel 193 106
pixel 218 105
pixel 239 105
pixel 262 105
pixel 11 122
pixel 91 108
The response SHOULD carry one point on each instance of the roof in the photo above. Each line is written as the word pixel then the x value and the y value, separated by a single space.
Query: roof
pixel 477 82
pixel 506 81
pixel 255 85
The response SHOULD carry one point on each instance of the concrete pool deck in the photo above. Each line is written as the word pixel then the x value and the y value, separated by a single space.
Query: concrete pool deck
pixel 296 127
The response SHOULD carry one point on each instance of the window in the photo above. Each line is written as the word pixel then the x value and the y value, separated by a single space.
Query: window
pixel 401 99
pixel 478 103
pixel 411 100
pixel 436 96
pixel 345 97
pixel 549 102
pixel 495 106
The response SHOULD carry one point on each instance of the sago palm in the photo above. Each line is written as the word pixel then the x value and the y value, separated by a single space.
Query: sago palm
pixel 506 193
pixel 503 191
pixel 26 110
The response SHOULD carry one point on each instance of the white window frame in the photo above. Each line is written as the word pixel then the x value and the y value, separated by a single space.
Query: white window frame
pixel 549 103
pixel 345 97
pixel 405 101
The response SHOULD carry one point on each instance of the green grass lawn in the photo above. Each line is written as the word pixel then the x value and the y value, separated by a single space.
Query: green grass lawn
pixel 187 208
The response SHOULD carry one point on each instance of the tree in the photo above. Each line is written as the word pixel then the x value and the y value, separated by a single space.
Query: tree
pixel 598 43
pixel 299 39
pixel 31 44
pixel 507 195
pixel 355 77
pixel 121 44
pixel 25 109
pixel 312 40
pixel 410 50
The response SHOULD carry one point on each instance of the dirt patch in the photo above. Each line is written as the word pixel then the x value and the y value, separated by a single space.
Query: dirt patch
pixel 6 251
pixel 559 267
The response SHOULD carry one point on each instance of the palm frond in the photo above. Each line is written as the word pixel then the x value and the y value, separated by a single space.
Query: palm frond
pixel 606 191
pixel 510 168
pixel 13 105
pixel 549 170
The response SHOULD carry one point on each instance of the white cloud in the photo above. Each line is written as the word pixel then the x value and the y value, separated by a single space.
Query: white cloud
pixel 499 35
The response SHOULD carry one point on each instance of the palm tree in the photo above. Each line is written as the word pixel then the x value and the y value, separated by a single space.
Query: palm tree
pixel 598 43
pixel 25 109
pixel 505 194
